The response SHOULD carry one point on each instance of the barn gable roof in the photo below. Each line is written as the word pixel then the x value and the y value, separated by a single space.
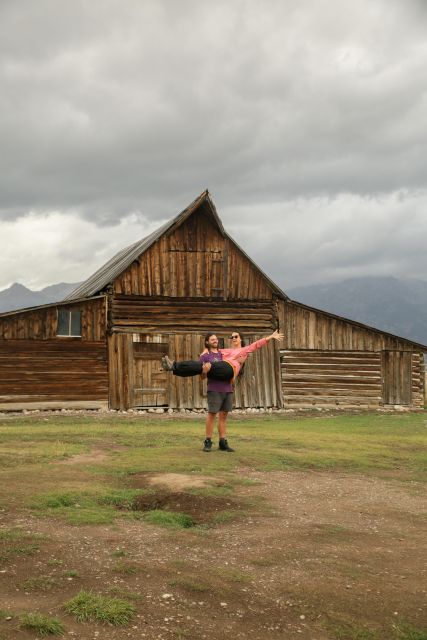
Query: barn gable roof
pixel 124 258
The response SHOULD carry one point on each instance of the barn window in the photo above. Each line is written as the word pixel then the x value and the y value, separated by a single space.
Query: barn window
pixel 69 323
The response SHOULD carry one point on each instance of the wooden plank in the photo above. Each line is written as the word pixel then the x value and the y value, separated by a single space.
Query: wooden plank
pixel 330 377
pixel 397 374
pixel 56 370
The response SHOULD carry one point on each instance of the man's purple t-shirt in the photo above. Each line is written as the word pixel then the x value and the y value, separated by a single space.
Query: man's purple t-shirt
pixel 216 385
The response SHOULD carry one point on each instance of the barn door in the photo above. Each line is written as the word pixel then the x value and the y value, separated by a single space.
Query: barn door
pixel 150 383
pixel 397 377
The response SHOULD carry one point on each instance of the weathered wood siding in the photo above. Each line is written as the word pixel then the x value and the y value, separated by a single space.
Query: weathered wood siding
pixel 311 329
pixel 46 370
pixel 136 379
pixel 260 384
pixel 42 323
pixel 349 378
pixel 37 366
pixel 129 313
pixel 120 370
pixel 397 374
pixel 331 361
pixel 418 389
pixel 194 261
pixel 352 378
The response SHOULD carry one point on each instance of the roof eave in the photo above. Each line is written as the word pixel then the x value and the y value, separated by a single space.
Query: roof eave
pixel 60 303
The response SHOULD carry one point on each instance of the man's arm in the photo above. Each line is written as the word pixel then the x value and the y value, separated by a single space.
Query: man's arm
pixel 206 365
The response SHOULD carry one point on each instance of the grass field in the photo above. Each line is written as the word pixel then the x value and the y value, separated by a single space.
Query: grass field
pixel 314 528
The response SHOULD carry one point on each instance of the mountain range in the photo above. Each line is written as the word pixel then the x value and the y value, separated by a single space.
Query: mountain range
pixel 19 297
pixel 387 303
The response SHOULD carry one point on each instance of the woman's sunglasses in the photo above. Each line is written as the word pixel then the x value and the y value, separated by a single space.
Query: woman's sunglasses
pixel 234 337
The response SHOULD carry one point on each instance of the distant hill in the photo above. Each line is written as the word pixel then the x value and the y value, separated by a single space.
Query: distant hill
pixel 18 297
pixel 389 304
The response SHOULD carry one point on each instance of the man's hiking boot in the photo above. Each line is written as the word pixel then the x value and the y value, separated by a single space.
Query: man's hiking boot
pixel 167 363
pixel 207 445
pixel 223 445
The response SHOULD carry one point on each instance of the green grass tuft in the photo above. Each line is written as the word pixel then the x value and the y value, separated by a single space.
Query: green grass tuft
pixel 222 517
pixel 41 583
pixel 72 573
pixel 84 507
pixel 14 542
pixel 345 630
pixel 90 606
pixel 124 593
pixel 126 568
pixel 120 498
pixel 190 585
pixel 42 625
pixel 231 574
pixel 54 562
pixel 58 500
pixel 171 519
pixel 90 516
pixel 408 632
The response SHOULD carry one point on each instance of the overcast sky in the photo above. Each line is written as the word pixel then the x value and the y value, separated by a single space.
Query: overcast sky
pixel 306 120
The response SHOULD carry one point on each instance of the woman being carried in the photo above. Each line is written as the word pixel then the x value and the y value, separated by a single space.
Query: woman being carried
pixel 226 369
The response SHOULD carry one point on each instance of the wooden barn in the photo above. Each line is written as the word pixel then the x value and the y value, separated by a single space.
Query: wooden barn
pixel 102 345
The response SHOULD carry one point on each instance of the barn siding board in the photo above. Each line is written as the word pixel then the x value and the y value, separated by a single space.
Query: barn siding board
pixel 113 376
pixel 401 377
pixel 151 315
pixel 257 386
pixel 312 377
pixel 41 324
pixel 195 260
pixel 52 370
pixel 150 384
pixel 351 378
pixel 312 329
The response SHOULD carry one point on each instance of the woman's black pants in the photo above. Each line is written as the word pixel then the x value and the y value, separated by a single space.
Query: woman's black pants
pixel 219 370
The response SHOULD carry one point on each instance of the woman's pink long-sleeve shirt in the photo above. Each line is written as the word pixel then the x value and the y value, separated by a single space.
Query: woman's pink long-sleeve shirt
pixel 231 355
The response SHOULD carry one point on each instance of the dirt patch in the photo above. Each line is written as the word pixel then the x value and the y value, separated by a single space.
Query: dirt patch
pixel 95 455
pixel 85 458
pixel 201 509
pixel 335 556
pixel 173 481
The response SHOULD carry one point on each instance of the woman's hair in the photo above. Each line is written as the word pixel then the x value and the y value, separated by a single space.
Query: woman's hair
pixel 207 336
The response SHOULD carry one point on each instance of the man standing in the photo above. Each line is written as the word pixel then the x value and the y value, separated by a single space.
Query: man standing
pixel 220 398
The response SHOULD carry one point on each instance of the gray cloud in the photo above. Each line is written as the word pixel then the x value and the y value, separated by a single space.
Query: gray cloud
pixel 108 108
